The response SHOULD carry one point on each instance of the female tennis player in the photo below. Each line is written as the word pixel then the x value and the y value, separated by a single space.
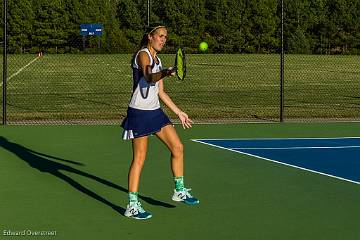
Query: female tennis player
pixel 145 117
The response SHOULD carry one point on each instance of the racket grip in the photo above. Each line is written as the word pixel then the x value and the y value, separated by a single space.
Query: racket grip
pixel 170 70
pixel 166 72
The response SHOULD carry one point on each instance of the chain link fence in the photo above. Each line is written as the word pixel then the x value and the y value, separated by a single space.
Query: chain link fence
pixel 72 79
pixel 322 87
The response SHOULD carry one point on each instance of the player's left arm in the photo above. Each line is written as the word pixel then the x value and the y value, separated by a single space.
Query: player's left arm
pixel 165 98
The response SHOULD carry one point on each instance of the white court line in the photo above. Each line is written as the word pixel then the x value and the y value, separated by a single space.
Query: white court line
pixel 274 161
pixel 305 138
pixel 21 69
pixel 291 148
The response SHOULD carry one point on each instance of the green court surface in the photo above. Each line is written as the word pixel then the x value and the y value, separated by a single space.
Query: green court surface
pixel 73 180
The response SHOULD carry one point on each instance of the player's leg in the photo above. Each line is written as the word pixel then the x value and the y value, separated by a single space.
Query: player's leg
pixel 171 139
pixel 169 136
pixel 134 208
pixel 139 146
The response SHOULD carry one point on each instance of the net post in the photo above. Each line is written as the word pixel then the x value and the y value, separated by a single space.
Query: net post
pixel 282 64
pixel 4 63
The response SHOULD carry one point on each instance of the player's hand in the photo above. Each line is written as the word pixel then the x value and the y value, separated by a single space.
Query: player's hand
pixel 171 71
pixel 185 120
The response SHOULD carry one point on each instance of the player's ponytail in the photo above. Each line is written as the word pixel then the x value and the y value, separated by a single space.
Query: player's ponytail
pixel 144 41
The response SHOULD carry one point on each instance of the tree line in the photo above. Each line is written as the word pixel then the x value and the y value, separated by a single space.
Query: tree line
pixel 229 26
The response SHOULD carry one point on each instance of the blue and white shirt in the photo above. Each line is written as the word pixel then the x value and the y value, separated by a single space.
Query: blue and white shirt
pixel 145 95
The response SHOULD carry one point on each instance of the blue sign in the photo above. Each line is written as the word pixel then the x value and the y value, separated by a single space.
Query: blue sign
pixel 91 29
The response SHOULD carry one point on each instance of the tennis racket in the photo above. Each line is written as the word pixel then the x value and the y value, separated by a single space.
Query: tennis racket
pixel 180 64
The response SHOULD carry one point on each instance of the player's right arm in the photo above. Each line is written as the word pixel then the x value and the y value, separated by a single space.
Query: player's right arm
pixel 143 61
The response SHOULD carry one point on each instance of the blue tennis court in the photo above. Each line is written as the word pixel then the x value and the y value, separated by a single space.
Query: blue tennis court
pixel 333 157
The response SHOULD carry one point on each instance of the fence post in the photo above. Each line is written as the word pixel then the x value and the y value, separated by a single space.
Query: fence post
pixel 282 64
pixel 4 62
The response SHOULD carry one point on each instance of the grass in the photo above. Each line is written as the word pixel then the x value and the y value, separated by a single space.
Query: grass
pixel 71 88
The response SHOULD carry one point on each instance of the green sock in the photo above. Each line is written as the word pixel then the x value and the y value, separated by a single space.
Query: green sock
pixel 133 197
pixel 179 183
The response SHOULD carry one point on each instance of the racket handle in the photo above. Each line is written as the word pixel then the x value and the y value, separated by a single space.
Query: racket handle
pixel 167 72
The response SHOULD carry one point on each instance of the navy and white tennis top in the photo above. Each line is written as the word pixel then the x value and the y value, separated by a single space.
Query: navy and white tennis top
pixel 145 95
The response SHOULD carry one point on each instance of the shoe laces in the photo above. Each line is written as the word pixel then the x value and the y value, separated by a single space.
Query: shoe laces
pixel 139 207
pixel 187 192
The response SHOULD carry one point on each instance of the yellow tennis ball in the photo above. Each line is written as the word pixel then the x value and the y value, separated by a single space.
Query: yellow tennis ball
pixel 203 46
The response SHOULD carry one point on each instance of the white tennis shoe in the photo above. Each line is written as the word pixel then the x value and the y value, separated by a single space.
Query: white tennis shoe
pixel 185 197
pixel 135 210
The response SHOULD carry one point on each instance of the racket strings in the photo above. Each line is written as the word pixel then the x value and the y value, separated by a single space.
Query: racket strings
pixel 180 64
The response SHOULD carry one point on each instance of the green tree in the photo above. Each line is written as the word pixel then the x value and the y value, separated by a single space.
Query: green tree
pixel 216 30
pixel 185 20
pixel 236 22
pixel 113 36
pixel 129 15
pixel 130 21
pixel 343 17
pixel 20 25
pixel 297 42
pixel 261 32
pixel 50 24
pixel 305 26
pixel 229 26
pixel 76 16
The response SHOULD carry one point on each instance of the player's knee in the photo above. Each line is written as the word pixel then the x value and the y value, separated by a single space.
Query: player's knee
pixel 139 159
pixel 136 164
pixel 177 149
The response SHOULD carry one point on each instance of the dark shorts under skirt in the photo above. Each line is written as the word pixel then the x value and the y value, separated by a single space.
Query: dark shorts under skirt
pixel 139 123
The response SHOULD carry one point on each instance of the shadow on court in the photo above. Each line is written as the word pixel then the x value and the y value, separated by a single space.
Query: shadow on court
pixel 42 163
